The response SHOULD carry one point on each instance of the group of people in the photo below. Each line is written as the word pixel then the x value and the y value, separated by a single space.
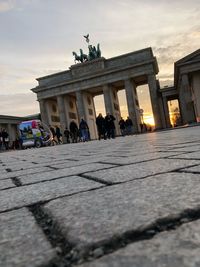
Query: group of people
pixel 106 126
pixel 74 134
pixel 80 133
pixel 77 134
pixel 126 126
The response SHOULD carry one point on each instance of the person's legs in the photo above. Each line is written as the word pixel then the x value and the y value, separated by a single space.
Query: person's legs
pixel 113 133
pixel 108 133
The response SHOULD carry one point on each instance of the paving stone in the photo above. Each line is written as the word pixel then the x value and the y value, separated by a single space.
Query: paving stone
pixel 178 248
pixel 94 217
pixel 138 158
pixel 20 166
pixel 193 148
pixel 193 155
pixel 27 195
pixel 38 177
pixel 81 161
pixel 24 172
pixel 6 184
pixel 22 243
pixel 140 170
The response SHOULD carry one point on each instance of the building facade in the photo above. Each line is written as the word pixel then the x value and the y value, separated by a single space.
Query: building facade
pixel 186 89
pixel 68 95
pixel 10 124
pixel 187 84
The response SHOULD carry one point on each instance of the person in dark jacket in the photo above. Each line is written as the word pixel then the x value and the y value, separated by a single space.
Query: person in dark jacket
pixel 58 135
pixel 5 137
pixel 100 122
pixel 110 125
pixel 73 131
pixel 84 129
pixel 67 135
pixel 129 126
pixel 122 126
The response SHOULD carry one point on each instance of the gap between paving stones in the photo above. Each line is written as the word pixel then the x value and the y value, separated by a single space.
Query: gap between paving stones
pixel 99 180
pixel 185 171
pixel 174 157
pixel 68 255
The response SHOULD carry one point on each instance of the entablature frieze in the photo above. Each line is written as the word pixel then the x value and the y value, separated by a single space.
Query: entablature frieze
pixel 96 82
pixel 113 75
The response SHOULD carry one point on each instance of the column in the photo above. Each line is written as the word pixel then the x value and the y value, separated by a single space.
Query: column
pixel 62 115
pixel 154 101
pixel 166 112
pixel 109 101
pixel 186 104
pixel 80 105
pixel 107 93
pixel 130 98
pixel 44 111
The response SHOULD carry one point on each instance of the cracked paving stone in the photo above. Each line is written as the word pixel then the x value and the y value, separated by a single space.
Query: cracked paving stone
pixel 177 248
pixel 22 242
pixel 140 170
pixel 97 216
pixel 31 194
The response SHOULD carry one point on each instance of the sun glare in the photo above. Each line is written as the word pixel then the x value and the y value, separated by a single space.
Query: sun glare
pixel 148 119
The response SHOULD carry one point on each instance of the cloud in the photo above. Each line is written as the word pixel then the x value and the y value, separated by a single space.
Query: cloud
pixel 19 104
pixel 6 5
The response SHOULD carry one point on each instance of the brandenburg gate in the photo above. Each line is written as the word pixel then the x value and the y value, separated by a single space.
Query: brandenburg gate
pixel 68 95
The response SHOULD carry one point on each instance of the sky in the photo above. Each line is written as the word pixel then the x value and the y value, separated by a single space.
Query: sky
pixel 37 38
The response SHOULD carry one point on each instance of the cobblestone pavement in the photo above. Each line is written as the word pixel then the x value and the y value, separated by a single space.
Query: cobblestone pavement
pixel 132 201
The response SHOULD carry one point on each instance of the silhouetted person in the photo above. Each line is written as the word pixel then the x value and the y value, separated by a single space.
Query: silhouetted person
pixel 100 122
pixel 84 130
pixel 110 125
pixel 58 134
pixel 5 137
pixel 73 131
pixel 129 126
pixel 122 126
pixel 67 134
